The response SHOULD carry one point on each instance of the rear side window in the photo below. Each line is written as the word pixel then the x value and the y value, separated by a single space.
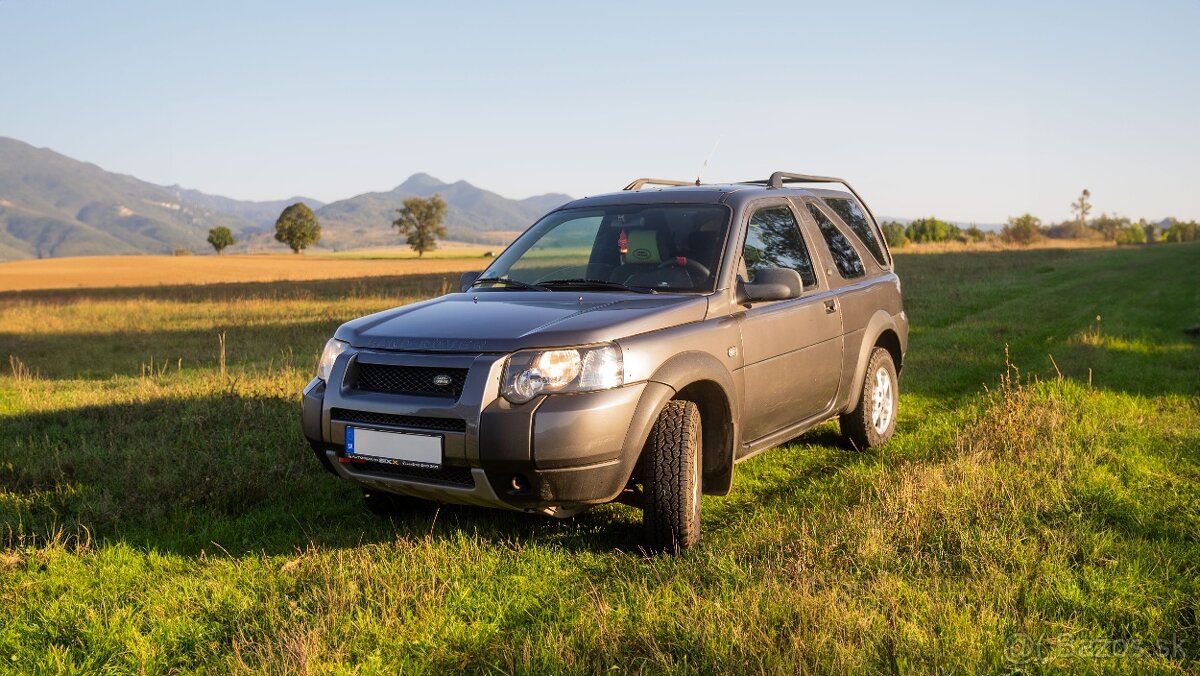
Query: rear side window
pixel 853 216
pixel 846 259
pixel 773 240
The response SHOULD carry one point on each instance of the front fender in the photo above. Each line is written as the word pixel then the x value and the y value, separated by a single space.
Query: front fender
pixel 703 379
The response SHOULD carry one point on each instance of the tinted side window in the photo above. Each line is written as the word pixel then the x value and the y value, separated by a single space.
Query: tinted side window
pixel 853 216
pixel 773 240
pixel 846 259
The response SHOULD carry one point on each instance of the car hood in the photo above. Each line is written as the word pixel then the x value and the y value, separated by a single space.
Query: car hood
pixel 503 321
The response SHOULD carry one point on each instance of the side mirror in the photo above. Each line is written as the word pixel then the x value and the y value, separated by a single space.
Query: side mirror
pixel 467 279
pixel 771 284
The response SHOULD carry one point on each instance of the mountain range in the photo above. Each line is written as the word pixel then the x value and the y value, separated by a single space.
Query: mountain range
pixel 52 205
pixel 473 214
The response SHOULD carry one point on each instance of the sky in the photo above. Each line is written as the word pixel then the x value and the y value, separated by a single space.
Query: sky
pixel 969 111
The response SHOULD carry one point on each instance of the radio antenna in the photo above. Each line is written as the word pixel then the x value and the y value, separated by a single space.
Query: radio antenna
pixel 704 166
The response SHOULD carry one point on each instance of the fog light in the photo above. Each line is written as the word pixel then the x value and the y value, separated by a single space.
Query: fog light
pixel 520 484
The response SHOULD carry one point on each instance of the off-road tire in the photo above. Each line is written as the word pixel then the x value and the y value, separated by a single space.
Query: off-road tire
pixel 873 421
pixel 671 478
pixel 382 503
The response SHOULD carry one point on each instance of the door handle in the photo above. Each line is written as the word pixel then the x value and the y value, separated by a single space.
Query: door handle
pixel 830 306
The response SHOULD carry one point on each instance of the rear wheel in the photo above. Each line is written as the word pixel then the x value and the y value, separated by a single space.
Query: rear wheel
pixel 873 421
pixel 671 477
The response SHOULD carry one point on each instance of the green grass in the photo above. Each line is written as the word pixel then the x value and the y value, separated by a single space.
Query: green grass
pixel 157 515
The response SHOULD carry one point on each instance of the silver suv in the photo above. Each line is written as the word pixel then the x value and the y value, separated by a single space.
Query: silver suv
pixel 629 347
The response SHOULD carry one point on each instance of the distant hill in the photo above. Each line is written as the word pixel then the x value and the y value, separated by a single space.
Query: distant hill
pixel 52 205
pixel 475 215
pixel 261 214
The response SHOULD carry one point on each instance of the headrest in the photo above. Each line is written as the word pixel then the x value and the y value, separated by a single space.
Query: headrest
pixel 643 247
pixel 702 244
pixel 710 223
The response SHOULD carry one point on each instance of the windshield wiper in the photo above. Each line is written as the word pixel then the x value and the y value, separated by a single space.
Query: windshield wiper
pixel 513 283
pixel 594 283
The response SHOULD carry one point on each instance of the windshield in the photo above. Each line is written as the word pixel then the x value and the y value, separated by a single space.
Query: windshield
pixel 661 247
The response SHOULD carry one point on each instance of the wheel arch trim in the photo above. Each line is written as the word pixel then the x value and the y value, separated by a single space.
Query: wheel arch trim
pixel 701 378
pixel 881 331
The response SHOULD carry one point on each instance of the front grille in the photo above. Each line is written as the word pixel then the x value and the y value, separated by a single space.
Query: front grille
pixel 453 476
pixel 415 421
pixel 419 380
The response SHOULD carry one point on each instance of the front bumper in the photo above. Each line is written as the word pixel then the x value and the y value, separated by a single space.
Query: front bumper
pixel 554 454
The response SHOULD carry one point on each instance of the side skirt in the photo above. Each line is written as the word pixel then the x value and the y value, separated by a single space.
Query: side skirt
pixel 753 448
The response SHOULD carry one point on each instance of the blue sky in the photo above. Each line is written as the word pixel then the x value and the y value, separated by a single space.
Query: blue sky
pixel 970 111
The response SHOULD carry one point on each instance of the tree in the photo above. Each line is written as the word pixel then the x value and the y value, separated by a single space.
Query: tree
pixel 1023 230
pixel 1109 226
pixel 298 227
pixel 1082 207
pixel 421 222
pixel 893 232
pixel 1131 234
pixel 220 237
pixel 931 230
pixel 975 234
pixel 1152 231
pixel 1181 231
pixel 1071 230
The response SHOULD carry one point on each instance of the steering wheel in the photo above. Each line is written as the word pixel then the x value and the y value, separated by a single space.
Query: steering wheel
pixel 688 264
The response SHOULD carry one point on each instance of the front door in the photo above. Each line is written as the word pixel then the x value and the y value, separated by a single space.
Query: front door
pixel 792 348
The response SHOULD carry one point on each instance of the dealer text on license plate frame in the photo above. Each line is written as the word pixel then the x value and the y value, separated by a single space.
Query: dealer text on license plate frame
pixel 408 449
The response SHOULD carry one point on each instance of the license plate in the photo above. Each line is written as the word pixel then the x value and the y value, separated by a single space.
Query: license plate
pixel 397 448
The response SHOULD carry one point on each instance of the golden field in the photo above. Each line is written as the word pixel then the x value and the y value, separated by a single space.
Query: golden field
pixel 125 271
pixel 951 246
pixel 92 272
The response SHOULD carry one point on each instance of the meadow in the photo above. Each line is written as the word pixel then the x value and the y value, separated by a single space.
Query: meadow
pixel 132 271
pixel 1038 509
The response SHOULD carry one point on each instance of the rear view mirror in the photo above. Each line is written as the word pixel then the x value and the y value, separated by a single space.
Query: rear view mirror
pixel 771 284
pixel 467 279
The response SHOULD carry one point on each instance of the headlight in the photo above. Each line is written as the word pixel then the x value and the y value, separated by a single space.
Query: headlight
pixel 333 348
pixel 533 372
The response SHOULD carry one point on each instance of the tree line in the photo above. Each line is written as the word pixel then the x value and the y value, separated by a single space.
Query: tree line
pixel 1027 229
pixel 419 221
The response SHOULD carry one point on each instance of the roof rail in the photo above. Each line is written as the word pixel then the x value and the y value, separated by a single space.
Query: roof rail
pixel 637 185
pixel 781 177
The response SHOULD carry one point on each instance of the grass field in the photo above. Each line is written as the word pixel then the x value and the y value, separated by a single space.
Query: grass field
pixel 160 511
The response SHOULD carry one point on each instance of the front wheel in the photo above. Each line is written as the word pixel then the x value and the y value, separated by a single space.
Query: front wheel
pixel 873 421
pixel 671 477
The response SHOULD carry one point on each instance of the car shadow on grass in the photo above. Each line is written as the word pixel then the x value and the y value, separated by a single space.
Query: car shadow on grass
pixel 242 318
pixel 99 356
pixel 793 470
pixel 229 473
